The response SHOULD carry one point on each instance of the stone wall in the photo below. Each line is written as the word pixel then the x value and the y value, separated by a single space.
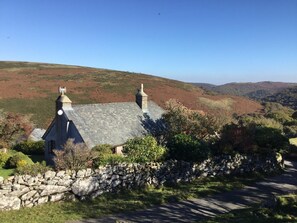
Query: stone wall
pixel 28 191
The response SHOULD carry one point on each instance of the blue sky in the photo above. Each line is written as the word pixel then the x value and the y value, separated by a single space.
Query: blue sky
pixel 215 41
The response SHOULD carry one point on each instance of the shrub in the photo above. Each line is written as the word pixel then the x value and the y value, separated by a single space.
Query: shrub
pixel 103 149
pixel 270 140
pixel 187 148
pixel 32 169
pixel 21 163
pixel 30 147
pixel 74 156
pixel 143 150
pixel 111 159
pixel 105 156
pixel 182 120
pixel 3 159
pixel 251 139
pixel 16 158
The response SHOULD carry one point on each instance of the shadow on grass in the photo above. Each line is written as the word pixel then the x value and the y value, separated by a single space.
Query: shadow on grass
pixel 125 201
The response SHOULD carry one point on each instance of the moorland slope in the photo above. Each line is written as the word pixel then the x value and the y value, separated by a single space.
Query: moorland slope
pixel 31 88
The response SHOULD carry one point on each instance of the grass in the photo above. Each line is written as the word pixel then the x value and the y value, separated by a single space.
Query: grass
pixel 9 172
pixel 112 203
pixel 285 210
pixel 6 172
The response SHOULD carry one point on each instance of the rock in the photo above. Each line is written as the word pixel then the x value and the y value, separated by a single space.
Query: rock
pixel 82 187
pixel 42 200
pixel 81 173
pixel 56 197
pixel 28 204
pixel 19 193
pixel 66 183
pixel 88 172
pixel 16 187
pixel 28 195
pixel 60 173
pixel 115 183
pixel 53 189
pixel 49 175
pixel 6 186
pixel 1 180
pixel 10 179
pixel 9 203
pixel 3 192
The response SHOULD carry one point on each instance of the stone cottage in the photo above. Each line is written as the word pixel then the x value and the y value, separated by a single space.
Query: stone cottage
pixel 104 123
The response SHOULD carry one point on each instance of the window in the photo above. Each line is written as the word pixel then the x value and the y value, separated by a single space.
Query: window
pixel 51 146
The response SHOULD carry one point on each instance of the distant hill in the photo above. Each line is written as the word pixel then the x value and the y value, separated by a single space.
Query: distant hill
pixel 286 97
pixel 256 91
pixel 31 88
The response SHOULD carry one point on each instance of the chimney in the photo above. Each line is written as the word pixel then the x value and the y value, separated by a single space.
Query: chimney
pixel 141 99
pixel 63 102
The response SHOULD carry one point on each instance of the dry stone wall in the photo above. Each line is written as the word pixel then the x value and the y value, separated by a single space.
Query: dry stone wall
pixel 28 191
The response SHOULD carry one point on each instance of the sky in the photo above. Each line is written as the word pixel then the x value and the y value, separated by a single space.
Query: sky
pixel 209 41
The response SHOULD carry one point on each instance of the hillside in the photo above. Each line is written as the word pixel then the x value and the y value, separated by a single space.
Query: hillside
pixel 31 88
pixel 255 91
pixel 286 97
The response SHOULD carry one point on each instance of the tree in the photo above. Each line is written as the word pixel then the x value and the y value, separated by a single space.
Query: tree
pixel 181 120
pixel 13 127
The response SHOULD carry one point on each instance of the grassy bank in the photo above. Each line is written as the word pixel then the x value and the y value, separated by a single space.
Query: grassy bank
pixel 6 172
pixel 124 201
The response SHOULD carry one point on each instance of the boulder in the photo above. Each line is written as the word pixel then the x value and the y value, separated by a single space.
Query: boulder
pixel 9 203
pixel 82 187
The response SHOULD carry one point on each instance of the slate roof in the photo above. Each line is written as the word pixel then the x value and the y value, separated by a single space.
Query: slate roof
pixel 36 134
pixel 113 123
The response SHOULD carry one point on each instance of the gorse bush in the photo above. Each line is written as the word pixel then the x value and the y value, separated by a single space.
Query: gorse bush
pixel 109 159
pixel 74 156
pixel 104 156
pixel 187 148
pixel 144 150
pixel 32 169
pixel 103 149
pixel 30 147
pixel 3 159
pixel 18 158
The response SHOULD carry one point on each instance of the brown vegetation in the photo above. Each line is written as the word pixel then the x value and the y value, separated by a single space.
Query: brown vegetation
pixel 31 88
